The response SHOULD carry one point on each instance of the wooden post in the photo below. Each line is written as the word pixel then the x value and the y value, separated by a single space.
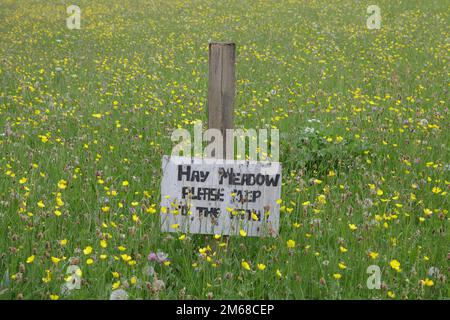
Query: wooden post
pixel 221 87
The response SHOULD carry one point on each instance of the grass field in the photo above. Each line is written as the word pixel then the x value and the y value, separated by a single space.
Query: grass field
pixel 86 115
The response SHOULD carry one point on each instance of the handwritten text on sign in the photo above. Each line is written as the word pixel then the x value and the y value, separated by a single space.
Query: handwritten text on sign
pixel 220 196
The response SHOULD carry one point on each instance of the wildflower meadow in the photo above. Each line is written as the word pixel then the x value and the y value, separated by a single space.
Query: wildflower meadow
pixel 90 92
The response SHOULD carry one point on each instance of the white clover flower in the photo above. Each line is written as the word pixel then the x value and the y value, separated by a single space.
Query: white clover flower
pixel 309 130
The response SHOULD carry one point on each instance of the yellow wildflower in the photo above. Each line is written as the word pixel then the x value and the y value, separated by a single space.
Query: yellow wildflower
pixel 343 249
pixel 55 260
pixel 427 282
pixel 116 285
pixel 395 264
pixel 62 184
pixel 87 250
pixel 245 265
pixel 290 244
pixel 373 255
pixel 261 266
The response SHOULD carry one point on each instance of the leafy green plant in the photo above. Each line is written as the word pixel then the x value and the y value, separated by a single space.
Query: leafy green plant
pixel 309 150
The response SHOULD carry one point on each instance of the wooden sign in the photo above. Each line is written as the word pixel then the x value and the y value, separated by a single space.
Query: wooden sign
pixel 227 197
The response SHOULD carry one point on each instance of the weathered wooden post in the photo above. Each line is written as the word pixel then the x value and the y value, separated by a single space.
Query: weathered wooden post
pixel 196 196
pixel 221 88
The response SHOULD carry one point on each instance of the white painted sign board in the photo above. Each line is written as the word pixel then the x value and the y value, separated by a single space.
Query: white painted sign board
pixel 220 196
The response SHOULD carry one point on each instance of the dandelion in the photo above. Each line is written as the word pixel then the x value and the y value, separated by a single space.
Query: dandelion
pixel 245 265
pixel 55 260
pixel 290 244
pixel 87 250
pixel 151 210
pixel 242 233
pixel 352 226
pixel 395 265
pixel 125 257
pixel 337 276
pixel 41 204
pixel 436 190
pixel 30 259
pixel 261 266
pixel 54 297
pixel 116 285
pixel 62 184
pixel 321 199
pixel 343 249
pixel 427 282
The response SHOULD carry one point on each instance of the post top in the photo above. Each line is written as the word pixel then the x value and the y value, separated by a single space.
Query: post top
pixel 221 43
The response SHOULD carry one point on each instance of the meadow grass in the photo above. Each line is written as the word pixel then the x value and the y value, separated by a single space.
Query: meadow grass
pixel 86 115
